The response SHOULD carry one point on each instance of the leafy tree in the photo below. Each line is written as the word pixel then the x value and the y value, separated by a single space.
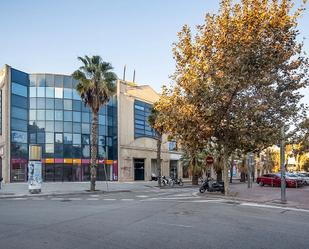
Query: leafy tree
pixel 237 79
pixel 96 86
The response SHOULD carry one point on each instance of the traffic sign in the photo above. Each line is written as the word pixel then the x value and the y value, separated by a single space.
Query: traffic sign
pixel 209 160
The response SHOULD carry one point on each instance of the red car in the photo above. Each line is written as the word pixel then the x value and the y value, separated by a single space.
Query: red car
pixel 274 181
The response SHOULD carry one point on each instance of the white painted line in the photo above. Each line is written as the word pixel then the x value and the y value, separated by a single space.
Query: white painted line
pixel 109 199
pixel 19 199
pixel 142 196
pixel 94 196
pixel 204 201
pixel 75 199
pixel 249 204
pixel 175 225
pixel 92 199
pixel 127 199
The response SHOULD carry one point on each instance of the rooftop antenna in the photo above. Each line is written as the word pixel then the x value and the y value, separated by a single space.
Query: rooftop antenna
pixel 134 76
pixel 124 72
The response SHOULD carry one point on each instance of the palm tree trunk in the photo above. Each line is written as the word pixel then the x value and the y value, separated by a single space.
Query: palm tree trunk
pixel 159 142
pixel 94 150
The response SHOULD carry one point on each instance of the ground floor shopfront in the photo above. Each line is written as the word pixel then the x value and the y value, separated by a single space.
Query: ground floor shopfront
pixel 65 171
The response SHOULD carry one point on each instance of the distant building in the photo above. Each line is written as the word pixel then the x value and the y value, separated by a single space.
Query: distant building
pixel 45 109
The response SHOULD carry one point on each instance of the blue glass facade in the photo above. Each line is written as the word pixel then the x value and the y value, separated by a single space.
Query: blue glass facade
pixel 47 110
pixel 141 126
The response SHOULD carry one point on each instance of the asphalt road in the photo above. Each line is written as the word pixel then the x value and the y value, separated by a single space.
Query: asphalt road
pixel 174 218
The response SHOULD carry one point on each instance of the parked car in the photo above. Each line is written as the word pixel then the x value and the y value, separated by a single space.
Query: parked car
pixel 304 177
pixel 299 180
pixel 274 180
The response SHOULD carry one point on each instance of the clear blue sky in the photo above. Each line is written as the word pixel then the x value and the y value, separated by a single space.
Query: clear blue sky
pixel 47 36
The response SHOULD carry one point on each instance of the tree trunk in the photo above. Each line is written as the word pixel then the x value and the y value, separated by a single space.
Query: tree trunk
pixel 159 142
pixel 194 176
pixel 231 169
pixel 94 150
pixel 225 173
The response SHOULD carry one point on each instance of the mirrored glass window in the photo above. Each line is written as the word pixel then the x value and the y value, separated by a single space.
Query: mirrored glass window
pixel 41 92
pixel 85 117
pixel 76 139
pixel 102 120
pixel 85 151
pixel 32 103
pixel 58 81
pixel 67 82
pixel 76 116
pixel 76 95
pixel 77 128
pixel 18 124
pixel 41 103
pixel 58 115
pixel 32 79
pixel 50 92
pixel 67 93
pixel 49 138
pixel 19 89
pixel 19 136
pixel 58 138
pixel 49 80
pixel 58 93
pixel 67 116
pixel 67 104
pixel 85 128
pixel 49 126
pixel 49 148
pixel 32 91
pixel 40 80
pixel 59 104
pixel 19 113
pixel 58 126
pixel 40 114
pixel 76 105
pixel 67 138
pixel 49 114
pixel 50 103
pixel 85 139
pixel 67 127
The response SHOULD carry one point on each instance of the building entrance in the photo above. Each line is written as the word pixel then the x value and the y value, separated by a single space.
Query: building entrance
pixel 173 169
pixel 139 169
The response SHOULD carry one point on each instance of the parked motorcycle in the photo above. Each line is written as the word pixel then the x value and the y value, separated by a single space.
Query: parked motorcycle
pixel 212 186
pixel 177 181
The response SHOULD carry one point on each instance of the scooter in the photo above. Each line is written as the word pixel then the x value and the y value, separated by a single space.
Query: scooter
pixel 212 186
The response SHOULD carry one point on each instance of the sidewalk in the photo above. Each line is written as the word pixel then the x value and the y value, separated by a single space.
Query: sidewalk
pixel 296 197
pixel 10 190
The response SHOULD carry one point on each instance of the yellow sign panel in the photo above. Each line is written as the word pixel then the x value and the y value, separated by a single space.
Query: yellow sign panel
pixel 108 161
pixel 49 160
pixel 77 161
pixel 68 160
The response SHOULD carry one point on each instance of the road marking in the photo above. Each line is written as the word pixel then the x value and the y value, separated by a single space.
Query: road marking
pixel 92 199
pixel 19 199
pixel 175 225
pixel 171 198
pixel 251 204
pixel 142 196
pixel 202 201
pixel 127 199
pixel 94 196
pixel 75 199
pixel 109 199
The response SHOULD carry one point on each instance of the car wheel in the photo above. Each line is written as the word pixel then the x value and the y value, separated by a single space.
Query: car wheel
pixel 261 184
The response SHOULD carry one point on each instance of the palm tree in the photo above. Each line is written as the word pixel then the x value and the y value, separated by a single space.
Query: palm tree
pixel 96 85
pixel 153 120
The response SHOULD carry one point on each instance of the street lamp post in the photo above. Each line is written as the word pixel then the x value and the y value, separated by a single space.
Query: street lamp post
pixel 282 162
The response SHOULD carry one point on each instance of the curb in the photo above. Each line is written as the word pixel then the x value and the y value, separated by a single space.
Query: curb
pixel 274 202
pixel 86 192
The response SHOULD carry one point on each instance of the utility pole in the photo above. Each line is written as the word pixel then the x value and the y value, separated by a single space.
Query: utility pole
pixel 282 162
